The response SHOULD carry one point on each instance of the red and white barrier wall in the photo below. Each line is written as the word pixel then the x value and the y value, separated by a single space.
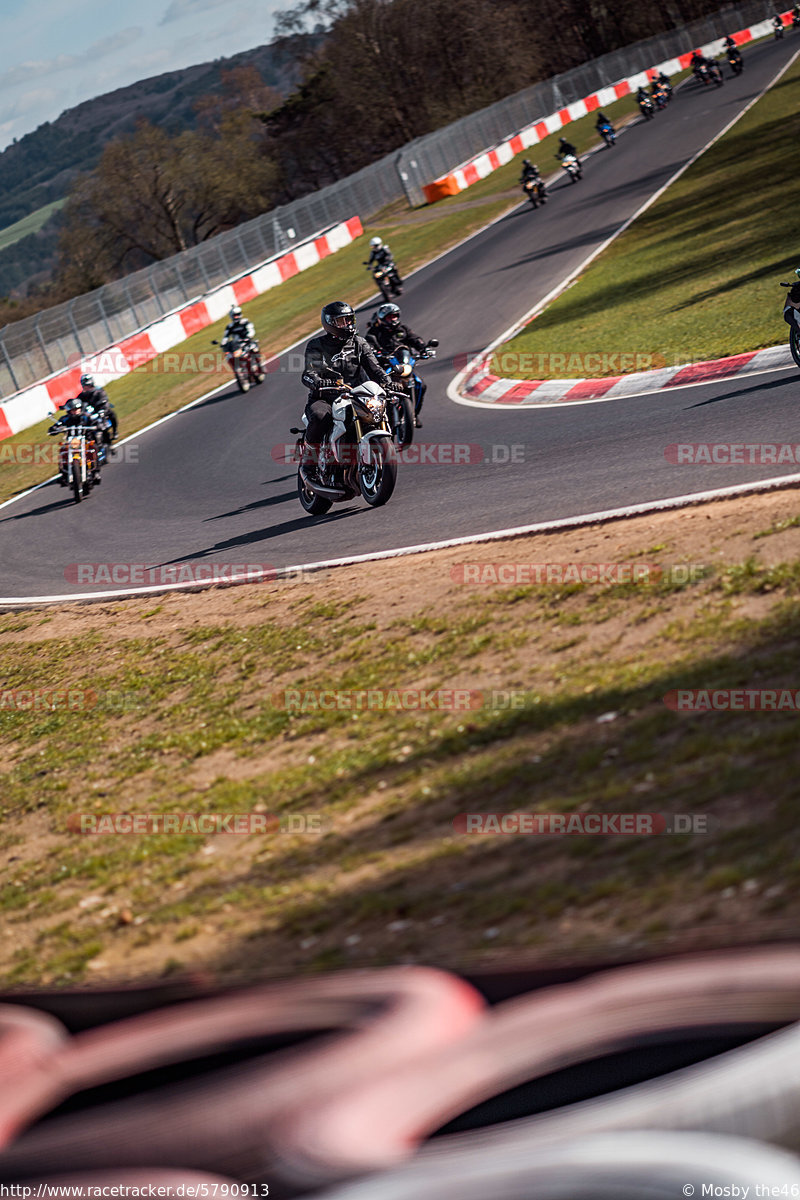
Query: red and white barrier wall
pixel 35 403
pixel 481 166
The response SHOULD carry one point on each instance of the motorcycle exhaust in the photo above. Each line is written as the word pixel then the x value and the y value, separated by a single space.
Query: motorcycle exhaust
pixel 333 493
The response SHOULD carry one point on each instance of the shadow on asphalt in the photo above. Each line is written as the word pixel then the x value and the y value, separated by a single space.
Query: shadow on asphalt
pixel 747 391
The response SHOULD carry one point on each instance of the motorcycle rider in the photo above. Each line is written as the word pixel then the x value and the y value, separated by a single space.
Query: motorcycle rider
pixel 381 256
pixel 796 16
pixel 97 398
pixel 337 353
pixel 699 64
pixel 239 327
pixel 385 333
pixel 78 412
pixel 565 147
pixel 643 96
pixel 531 171
pixel 777 25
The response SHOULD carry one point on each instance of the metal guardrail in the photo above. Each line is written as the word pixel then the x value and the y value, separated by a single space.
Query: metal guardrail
pixel 50 341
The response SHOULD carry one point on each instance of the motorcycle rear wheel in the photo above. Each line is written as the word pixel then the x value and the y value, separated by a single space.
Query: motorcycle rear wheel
pixel 794 343
pixel 77 486
pixel 377 478
pixel 315 506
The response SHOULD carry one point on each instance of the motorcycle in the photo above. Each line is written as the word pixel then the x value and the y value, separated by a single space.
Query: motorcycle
pixel 608 134
pixel 701 73
pixel 535 190
pixel 244 359
pixel 795 20
pixel 387 279
pixel 662 94
pixel 735 62
pixel 357 456
pixel 404 405
pixel 715 74
pixel 573 168
pixel 791 315
pixel 777 28
pixel 105 427
pixel 78 461
pixel 647 108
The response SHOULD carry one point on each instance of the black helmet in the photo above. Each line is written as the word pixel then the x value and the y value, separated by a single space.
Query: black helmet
pixel 339 320
pixel 87 381
pixel 526 162
pixel 74 408
pixel 388 314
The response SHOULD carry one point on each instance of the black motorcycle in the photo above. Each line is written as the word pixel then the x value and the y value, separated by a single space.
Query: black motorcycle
pixel 535 190
pixel 387 279
pixel 735 62
pixel 791 315
pixel 357 456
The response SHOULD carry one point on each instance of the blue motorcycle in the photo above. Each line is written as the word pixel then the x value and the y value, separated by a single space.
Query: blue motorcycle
pixel 606 131
pixel 406 401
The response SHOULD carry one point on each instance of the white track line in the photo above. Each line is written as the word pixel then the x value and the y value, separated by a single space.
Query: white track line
pixel 292 573
pixel 452 390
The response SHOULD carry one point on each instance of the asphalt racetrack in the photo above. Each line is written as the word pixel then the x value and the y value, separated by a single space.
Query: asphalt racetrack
pixel 211 484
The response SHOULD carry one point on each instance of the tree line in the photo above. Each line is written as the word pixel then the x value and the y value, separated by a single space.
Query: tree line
pixel 378 74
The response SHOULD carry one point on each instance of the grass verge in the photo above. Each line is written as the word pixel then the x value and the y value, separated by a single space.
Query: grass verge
pixel 189 718
pixel 696 276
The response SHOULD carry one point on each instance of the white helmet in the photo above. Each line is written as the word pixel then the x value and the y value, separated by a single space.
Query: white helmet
pixel 235 313
pixel 376 243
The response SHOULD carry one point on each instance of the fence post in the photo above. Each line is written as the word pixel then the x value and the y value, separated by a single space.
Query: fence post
pixel 14 379
pixel 50 367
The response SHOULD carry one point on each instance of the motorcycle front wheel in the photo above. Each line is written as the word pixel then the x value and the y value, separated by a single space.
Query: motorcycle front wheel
pixel 377 477
pixel 794 343
pixel 77 485
pixel 385 290
pixel 403 418
pixel 314 505
pixel 244 386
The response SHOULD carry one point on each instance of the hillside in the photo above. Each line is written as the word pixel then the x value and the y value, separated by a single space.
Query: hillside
pixel 40 167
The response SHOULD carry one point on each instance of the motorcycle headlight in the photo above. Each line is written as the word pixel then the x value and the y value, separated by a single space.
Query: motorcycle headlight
pixel 374 406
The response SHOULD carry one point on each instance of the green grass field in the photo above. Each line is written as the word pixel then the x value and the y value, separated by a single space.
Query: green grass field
pixel 189 719
pixel 696 276
pixel 30 224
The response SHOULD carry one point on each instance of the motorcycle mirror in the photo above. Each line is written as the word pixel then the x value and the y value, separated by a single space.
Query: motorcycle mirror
pixel 433 342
